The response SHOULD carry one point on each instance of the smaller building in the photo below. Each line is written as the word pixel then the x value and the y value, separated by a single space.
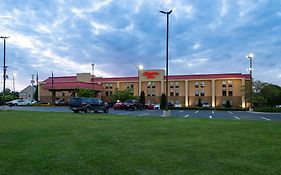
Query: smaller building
pixel 27 93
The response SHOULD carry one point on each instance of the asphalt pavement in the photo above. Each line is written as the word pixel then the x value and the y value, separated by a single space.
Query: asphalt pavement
pixel 210 114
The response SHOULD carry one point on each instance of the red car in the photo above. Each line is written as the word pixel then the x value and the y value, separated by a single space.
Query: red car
pixel 149 106
pixel 118 105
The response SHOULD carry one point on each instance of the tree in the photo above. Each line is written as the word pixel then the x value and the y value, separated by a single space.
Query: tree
pixel 272 94
pixel 122 95
pixel 163 101
pixel 86 93
pixel 142 98
pixel 35 95
pixel 199 103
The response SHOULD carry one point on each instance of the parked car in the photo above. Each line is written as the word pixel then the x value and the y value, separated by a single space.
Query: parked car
pixel 118 105
pixel 87 105
pixel 149 106
pixel 19 102
pixel 133 104
pixel 178 106
pixel 206 105
pixel 157 106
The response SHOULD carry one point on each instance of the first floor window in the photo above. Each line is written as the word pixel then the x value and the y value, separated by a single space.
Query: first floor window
pixel 172 92
pixel 202 92
pixel 196 92
pixel 223 92
pixel 177 93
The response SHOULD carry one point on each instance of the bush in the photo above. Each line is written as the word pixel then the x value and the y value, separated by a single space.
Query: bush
pixel 142 98
pixel 163 101
pixel 267 109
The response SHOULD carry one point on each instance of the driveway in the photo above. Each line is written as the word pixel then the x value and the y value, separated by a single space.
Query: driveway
pixel 210 114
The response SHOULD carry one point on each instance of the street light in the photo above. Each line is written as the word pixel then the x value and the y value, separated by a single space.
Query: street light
pixel 167 54
pixel 93 75
pixel 4 66
pixel 139 67
pixel 250 56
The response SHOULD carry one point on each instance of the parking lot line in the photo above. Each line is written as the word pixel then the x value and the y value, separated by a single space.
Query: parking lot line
pixel 144 114
pixel 237 117
pixel 181 111
pixel 213 112
pixel 210 117
pixel 186 116
pixel 265 118
pixel 196 112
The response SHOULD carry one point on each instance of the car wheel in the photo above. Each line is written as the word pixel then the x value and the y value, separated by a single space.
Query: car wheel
pixel 96 111
pixel 88 110
pixel 135 108
pixel 28 104
pixel 75 111
pixel 16 104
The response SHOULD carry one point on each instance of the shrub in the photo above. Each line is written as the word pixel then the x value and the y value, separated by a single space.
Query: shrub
pixel 163 101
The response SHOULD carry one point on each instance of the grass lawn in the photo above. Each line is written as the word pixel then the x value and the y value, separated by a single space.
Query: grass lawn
pixel 68 143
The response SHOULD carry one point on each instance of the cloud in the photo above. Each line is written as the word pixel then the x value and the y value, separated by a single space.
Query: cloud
pixel 66 36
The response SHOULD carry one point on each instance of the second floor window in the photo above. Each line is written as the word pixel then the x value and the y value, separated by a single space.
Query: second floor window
pixel 223 83
pixel 196 84
pixel 202 84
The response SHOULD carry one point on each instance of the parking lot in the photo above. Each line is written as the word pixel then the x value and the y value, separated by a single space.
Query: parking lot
pixel 209 114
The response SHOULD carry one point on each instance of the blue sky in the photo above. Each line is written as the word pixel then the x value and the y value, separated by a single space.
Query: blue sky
pixel 211 36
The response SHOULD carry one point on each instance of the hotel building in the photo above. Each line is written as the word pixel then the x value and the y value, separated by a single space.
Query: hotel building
pixel 214 89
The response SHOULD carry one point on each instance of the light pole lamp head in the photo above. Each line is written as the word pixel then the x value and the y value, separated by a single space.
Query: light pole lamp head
pixel 250 56
pixel 167 13
pixel 140 67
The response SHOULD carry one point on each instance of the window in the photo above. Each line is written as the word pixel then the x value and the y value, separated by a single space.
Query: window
pixel 110 86
pixel 229 83
pixel 171 84
pixel 130 85
pixel 153 92
pixel 202 92
pixel 202 84
pixel 172 92
pixel 223 92
pixel 148 93
pixel 196 84
pixel 153 85
pixel 223 83
pixel 148 85
pixel 230 92
pixel 196 92
pixel 106 86
pixel 177 93
pixel 108 93
pixel 176 84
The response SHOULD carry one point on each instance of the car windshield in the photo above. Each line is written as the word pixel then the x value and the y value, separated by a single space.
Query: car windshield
pixel 75 100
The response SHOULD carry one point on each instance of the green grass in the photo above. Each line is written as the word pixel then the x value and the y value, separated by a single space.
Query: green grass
pixel 67 143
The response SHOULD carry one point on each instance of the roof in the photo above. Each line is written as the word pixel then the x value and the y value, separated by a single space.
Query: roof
pixel 71 82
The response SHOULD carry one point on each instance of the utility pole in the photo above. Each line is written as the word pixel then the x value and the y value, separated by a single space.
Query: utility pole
pixel 4 67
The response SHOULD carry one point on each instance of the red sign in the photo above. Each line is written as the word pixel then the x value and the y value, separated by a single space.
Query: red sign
pixel 150 74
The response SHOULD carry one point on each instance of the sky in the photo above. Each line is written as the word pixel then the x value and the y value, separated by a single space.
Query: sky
pixel 210 36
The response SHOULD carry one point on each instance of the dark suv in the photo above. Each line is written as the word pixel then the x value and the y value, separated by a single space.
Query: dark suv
pixel 87 105
pixel 133 104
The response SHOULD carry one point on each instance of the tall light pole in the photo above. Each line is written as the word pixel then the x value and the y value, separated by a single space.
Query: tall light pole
pixel 250 56
pixel 4 66
pixel 93 75
pixel 140 67
pixel 167 54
